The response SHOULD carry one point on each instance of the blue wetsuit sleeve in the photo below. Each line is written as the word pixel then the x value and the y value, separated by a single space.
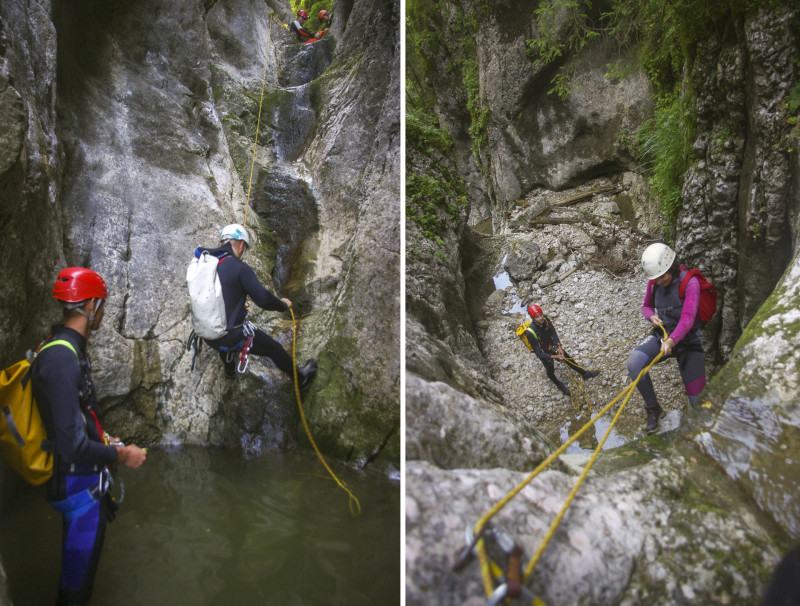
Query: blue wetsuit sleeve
pixel 260 295
pixel 59 376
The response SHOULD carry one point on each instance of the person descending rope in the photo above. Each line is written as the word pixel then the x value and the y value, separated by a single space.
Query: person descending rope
pixel 238 280
pixel 664 306
pixel 301 33
pixel 542 339
pixel 62 385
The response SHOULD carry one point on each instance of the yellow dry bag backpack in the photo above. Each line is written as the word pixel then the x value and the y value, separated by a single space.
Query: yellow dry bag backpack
pixel 21 428
pixel 522 333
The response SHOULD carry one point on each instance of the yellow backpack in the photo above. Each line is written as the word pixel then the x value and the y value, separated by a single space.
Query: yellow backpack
pixel 522 332
pixel 21 429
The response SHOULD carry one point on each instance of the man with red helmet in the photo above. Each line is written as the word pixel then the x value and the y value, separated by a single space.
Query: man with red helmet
pixel 82 451
pixel 542 339
pixel 301 33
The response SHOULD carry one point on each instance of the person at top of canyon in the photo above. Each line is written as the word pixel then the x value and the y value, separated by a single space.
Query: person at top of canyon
pixel 664 306
pixel 300 32
pixel 542 339
pixel 238 281
pixel 326 17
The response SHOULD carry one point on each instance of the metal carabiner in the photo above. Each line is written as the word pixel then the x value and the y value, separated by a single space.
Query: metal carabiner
pixel 467 554
pixel 502 593
pixel 511 586
pixel 244 359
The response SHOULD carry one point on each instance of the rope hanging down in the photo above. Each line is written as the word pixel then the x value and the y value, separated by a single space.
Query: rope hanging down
pixel 258 122
pixel 354 509
pixel 490 572
pixel 355 506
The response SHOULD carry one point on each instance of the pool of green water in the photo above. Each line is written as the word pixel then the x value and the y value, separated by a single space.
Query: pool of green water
pixel 208 526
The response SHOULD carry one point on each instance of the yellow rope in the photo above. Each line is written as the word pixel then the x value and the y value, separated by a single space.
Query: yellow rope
pixel 551 531
pixel 483 521
pixel 352 498
pixel 258 123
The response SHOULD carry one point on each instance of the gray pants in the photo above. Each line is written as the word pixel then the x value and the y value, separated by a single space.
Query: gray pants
pixel 691 364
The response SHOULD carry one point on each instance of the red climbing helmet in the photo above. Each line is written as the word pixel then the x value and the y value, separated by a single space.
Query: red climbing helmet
pixel 75 284
pixel 321 14
pixel 534 310
pixel 302 13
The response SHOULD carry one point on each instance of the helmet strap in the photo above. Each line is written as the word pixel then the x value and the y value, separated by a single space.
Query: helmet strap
pixel 91 316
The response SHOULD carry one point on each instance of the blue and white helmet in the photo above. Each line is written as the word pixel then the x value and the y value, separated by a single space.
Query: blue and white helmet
pixel 234 231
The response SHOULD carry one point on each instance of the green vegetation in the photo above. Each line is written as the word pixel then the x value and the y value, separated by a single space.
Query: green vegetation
pixel 792 106
pixel 662 36
pixel 427 52
pixel 665 144
pixel 424 134
pixel 430 201
pixel 564 28
pixel 434 193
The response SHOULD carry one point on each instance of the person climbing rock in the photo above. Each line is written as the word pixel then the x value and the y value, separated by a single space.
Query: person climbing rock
pixel 542 339
pixel 663 306
pixel 82 452
pixel 238 280
pixel 301 33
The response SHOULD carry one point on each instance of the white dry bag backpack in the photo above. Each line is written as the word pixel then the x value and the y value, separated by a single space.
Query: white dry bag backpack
pixel 205 293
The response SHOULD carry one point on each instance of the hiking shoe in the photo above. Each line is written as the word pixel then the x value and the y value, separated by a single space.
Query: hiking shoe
pixel 654 416
pixel 306 374
pixel 564 389
pixel 590 374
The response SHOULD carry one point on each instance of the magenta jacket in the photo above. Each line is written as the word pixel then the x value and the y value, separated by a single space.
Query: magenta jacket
pixel 688 314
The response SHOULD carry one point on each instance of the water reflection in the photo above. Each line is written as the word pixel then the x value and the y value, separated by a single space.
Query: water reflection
pixel 501 281
pixel 589 440
pixel 207 526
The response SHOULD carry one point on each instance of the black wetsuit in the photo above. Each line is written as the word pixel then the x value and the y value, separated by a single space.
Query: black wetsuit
pixel 301 33
pixel 238 280
pixel 544 342
pixel 64 392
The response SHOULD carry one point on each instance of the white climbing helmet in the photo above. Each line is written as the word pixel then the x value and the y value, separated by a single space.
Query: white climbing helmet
pixel 234 231
pixel 656 260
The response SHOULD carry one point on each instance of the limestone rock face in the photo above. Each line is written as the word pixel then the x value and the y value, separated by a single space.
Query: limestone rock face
pixel 753 400
pixel 456 431
pixel 128 136
pixel 738 195
pixel 533 139
pixel 31 163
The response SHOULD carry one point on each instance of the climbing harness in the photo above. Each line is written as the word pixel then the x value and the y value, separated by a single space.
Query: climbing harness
pixel 195 343
pixel 244 359
pixel 355 506
pixel 491 573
